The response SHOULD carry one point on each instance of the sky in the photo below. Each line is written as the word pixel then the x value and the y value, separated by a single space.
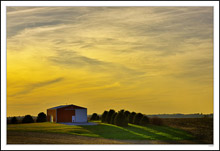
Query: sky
pixel 152 60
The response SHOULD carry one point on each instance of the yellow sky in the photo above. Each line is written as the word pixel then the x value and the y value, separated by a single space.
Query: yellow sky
pixel 143 59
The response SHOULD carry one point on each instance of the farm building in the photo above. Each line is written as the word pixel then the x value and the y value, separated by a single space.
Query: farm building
pixel 67 113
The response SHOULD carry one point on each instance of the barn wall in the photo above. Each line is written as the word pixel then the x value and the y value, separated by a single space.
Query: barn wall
pixel 81 115
pixel 51 113
pixel 65 114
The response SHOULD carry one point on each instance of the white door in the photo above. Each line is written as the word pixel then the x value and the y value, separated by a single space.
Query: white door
pixel 73 118
pixel 81 115
pixel 51 118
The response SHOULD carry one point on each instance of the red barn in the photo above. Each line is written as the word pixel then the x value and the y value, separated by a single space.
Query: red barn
pixel 67 113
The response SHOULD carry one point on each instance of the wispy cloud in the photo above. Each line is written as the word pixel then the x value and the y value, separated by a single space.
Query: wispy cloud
pixel 197 70
pixel 73 59
pixel 31 87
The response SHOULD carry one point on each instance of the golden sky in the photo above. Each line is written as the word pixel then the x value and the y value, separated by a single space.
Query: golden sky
pixel 144 59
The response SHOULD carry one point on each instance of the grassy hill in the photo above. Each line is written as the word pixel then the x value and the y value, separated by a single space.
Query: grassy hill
pixel 108 131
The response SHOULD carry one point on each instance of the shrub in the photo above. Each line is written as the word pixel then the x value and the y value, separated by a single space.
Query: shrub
pixel 144 121
pixel 127 113
pixel 120 119
pixel 131 117
pixel 94 116
pixel 122 111
pixel 137 118
pixel 156 121
pixel 104 114
pixel 97 117
pixel 41 117
pixel 27 119
pixel 109 116
pixel 14 120
pixel 113 118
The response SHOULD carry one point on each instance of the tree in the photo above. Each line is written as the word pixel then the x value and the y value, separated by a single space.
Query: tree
pixel 94 116
pixel 104 114
pixel 42 117
pixel 113 118
pixel 131 117
pixel 120 119
pixel 14 120
pixel 27 119
pixel 144 121
pixel 109 116
pixel 122 110
pixel 137 118
pixel 97 117
pixel 127 113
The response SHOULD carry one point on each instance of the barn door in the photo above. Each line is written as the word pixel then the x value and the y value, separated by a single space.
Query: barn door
pixel 51 118
pixel 73 118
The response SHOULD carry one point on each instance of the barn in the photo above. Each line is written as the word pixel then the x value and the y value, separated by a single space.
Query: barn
pixel 67 113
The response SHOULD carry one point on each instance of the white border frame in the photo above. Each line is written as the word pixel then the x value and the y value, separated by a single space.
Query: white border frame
pixel 215 4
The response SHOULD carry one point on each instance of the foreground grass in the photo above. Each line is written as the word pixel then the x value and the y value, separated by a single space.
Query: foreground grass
pixel 51 127
pixel 103 130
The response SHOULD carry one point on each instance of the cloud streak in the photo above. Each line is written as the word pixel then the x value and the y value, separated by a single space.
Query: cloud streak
pixel 31 87
pixel 71 58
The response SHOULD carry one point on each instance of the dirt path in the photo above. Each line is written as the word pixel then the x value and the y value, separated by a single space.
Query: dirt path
pixel 16 137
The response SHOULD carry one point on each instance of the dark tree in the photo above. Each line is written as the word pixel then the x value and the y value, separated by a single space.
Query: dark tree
pixel 14 120
pixel 109 116
pixel 42 117
pixel 127 113
pixel 94 116
pixel 122 111
pixel 137 118
pixel 27 119
pixel 120 119
pixel 144 121
pixel 131 117
pixel 104 114
pixel 113 118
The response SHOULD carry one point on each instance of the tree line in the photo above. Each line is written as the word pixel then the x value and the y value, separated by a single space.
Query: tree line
pixel 122 118
pixel 29 119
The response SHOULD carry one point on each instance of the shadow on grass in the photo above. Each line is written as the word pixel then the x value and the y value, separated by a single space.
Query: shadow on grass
pixel 181 134
pixel 136 132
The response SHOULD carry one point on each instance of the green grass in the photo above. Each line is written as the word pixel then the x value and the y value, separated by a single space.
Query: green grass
pixel 103 130
pixel 50 127
pixel 136 132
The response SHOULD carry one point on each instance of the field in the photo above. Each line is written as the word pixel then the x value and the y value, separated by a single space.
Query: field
pixel 40 133
pixel 201 128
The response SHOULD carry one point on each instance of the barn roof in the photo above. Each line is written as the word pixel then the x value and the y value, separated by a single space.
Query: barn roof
pixel 61 106
pixel 57 107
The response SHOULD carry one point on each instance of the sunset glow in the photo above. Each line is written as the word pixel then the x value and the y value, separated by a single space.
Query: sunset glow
pixel 145 59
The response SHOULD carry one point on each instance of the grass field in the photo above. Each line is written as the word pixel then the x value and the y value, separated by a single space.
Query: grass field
pixel 107 131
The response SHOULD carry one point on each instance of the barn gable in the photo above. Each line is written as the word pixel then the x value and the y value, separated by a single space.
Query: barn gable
pixel 63 106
